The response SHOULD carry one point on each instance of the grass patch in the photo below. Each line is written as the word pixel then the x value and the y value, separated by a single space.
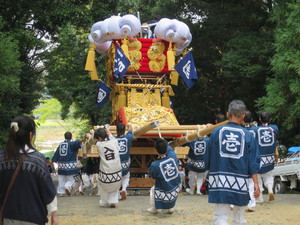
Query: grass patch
pixel 51 133
pixel 54 130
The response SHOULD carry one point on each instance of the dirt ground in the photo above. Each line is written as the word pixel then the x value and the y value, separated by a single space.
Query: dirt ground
pixel 82 210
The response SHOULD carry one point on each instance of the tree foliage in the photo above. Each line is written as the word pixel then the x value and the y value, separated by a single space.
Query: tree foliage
pixel 283 92
pixel 232 45
pixel 10 68
pixel 243 49
pixel 29 25
pixel 48 109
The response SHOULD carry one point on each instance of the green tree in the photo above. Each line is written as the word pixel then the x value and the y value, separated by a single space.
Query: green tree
pixel 48 109
pixel 66 79
pixel 68 82
pixel 47 44
pixel 283 92
pixel 26 29
pixel 231 48
pixel 10 68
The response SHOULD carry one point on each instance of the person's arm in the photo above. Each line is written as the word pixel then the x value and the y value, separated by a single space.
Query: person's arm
pixel 254 156
pixel 256 186
pixel 110 136
pixel 129 127
pixel 254 164
pixel 54 218
pixel 52 208
pixel 207 154
pixel 152 171
pixel 86 136
pixel 55 156
pixel 129 134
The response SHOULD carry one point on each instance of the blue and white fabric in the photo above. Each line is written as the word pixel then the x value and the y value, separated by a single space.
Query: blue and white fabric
pixel 121 64
pixel 267 141
pixel 66 157
pixel 233 156
pixel 196 155
pixel 124 143
pixel 103 94
pixel 187 70
pixel 167 180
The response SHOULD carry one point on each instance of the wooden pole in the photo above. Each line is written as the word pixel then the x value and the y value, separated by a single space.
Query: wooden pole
pixel 164 130
pixel 171 127
pixel 144 129
pixel 194 135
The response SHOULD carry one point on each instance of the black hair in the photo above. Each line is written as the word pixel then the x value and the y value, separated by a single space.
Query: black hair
pixel 248 117
pixel 161 145
pixel 68 135
pixel 220 118
pixel 265 117
pixel 237 108
pixel 101 132
pixel 19 136
pixel 121 129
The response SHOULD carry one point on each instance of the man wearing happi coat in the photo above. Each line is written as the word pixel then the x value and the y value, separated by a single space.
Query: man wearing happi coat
pixel 124 141
pixel 110 170
pixel 164 170
pixel 66 158
pixel 233 157
pixel 196 164
pixel 267 135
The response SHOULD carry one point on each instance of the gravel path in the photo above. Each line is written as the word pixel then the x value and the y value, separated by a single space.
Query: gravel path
pixel 85 210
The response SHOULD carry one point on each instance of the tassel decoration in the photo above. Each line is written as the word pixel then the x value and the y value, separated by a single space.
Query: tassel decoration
pixel 174 77
pixel 171 57
pixel 90 60
pixel 93 73
pixel 124 47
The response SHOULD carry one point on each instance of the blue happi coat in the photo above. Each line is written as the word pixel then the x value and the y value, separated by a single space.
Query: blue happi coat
pixel 252 130
pixel 66 157
pixel 233 156
pixel 196 155
pixel 167 180
pixel 267 142
pixel 124 143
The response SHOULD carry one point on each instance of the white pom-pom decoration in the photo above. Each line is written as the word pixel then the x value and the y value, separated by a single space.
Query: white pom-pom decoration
pixel 97 36
pixel 165 29
pixel 96 26
pixel 104 30
pixel 182 31
pixel 102 48
pixel 91 39
pixel 96 32
pixel 175 31
pixel 185 43
pixel 113 28
pixel 130 25
pixel 178 51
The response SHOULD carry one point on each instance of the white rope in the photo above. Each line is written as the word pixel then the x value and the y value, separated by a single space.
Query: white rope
pixel 158 129
pixel 198 131
pixel 186 136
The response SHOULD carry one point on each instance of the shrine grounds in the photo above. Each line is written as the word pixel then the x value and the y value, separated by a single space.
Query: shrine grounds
pixel 85 210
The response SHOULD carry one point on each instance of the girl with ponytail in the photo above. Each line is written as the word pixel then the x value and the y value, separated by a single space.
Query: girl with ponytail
pixel 32 190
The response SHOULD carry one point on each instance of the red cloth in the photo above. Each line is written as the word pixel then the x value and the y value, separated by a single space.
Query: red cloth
pixel 146 44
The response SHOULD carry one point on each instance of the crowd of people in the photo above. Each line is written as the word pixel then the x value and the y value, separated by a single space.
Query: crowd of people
pixel 232 164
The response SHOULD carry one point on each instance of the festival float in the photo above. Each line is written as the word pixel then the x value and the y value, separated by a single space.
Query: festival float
pixel 141 69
